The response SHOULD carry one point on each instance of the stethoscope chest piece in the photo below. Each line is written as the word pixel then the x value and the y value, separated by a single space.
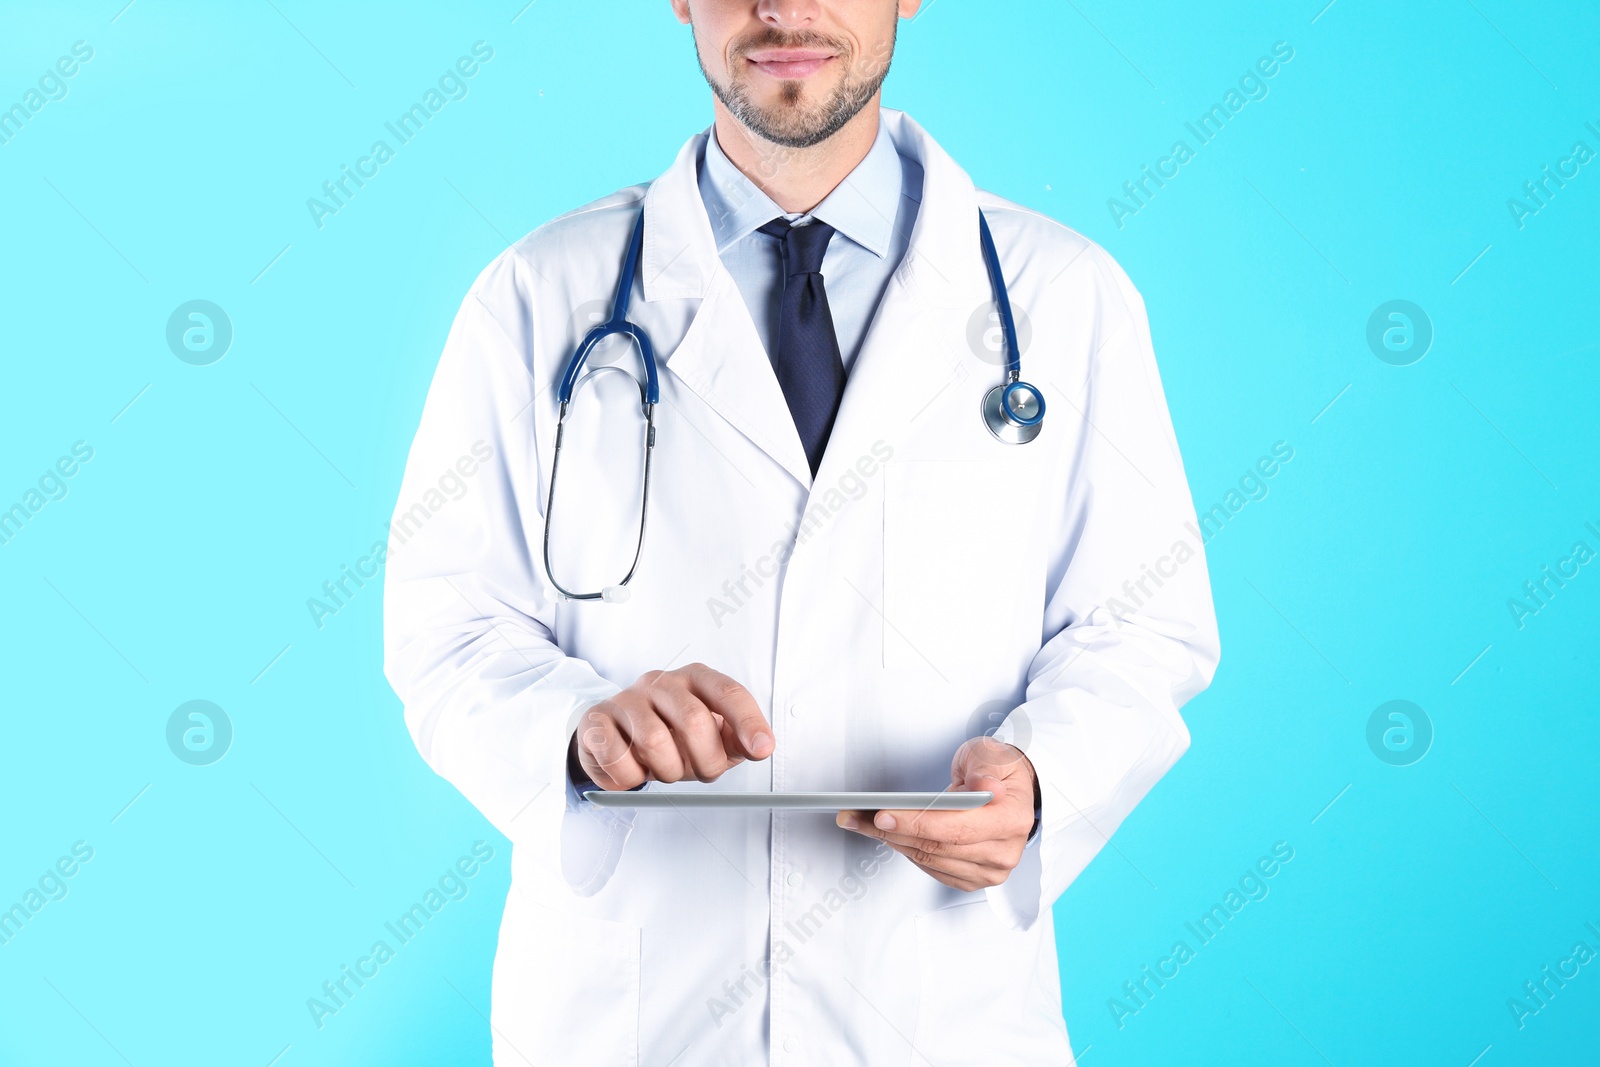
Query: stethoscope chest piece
pixel 1013 412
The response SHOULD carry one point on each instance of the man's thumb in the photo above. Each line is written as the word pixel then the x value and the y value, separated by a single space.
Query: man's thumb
pixel 975 774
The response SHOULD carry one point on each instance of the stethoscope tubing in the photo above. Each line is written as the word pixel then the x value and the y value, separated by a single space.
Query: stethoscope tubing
pixel 997 282
pixel 618 323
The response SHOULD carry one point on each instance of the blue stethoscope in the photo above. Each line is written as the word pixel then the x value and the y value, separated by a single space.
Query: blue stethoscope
pixel 1013 411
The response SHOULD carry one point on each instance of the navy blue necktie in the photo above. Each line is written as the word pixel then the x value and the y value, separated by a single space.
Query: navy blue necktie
pixel 807 360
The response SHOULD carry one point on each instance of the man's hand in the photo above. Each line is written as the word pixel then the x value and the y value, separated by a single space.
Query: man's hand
pixel 669 725
pixel 969 850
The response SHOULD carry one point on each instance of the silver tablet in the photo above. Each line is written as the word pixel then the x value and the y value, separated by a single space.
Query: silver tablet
pixel 675 798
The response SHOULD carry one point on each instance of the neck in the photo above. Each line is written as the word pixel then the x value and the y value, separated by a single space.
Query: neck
pixel 797 179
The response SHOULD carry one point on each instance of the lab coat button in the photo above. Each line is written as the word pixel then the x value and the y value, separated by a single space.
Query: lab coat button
pixel 795 880
pixel 794 711
pixel 791 1044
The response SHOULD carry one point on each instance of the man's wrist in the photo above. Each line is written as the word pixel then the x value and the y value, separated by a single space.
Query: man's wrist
pixel 1038 797
pixel 580 778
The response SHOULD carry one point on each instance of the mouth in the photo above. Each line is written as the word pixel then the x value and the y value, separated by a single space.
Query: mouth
pixel 789 64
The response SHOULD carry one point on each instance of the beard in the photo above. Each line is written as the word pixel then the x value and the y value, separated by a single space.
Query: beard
pixel 790 122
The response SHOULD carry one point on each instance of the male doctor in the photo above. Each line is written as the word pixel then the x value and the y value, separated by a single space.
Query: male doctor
pixel 846 581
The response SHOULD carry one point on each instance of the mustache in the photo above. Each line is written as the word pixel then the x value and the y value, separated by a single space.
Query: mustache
pixel 772 37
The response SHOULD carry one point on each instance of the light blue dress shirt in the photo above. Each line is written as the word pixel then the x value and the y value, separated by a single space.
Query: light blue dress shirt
pixel 872 211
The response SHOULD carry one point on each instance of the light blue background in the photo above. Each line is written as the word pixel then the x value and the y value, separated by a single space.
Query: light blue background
pixel 1379 566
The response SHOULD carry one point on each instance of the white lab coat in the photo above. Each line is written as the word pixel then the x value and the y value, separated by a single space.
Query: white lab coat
pixel 928 582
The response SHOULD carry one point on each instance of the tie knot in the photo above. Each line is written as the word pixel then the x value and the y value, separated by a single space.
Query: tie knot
pixel 803 246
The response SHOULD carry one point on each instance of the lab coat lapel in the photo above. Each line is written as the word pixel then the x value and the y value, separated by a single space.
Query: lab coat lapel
pixel 720 357
pixel 916 347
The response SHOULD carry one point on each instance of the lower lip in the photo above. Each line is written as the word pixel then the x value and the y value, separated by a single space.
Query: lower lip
pixel 788 71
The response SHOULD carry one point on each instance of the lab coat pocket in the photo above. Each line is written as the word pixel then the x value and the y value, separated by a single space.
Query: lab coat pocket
pixel 566 988
pixel 956 557
pixel 989 994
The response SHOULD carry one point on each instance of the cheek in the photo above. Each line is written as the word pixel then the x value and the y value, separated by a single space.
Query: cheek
pixel 880 54
pixel 720 35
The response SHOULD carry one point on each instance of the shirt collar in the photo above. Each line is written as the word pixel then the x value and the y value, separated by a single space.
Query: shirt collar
pixel 862 207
